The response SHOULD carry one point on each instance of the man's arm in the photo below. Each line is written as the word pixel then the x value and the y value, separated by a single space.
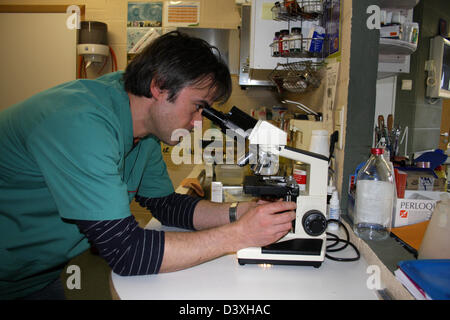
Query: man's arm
pixel 256 226
pixel 260 226
pixel 131 250
pixel 209 214
pixel 184 211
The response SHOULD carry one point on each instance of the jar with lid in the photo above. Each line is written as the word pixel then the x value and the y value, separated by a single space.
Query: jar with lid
pixel 289 4
pixel 284 43
pixel 276 11
pixel 275 45
pixel 374 198
pixel 312 6
pixel 295 41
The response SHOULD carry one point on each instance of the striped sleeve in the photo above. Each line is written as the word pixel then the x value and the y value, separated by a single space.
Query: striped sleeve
pixel 175 210
pixel 127 248
pixel 130 250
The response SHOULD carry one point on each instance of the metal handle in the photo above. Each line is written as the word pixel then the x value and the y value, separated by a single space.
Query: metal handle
pixel 301 106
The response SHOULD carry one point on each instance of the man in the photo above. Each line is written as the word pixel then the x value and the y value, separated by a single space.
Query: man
pixel 73 157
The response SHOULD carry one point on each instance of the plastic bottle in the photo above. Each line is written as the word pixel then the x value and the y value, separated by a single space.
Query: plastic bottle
pixel 295 43
pixel 334 211
pixel 284 43
pixel 276 10
pixel 436 241
pixel 374 198
pixel 320 142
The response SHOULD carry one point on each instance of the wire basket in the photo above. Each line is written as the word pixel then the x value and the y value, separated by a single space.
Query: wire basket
pixel 297 10
pixel 298 48
pixel 298 77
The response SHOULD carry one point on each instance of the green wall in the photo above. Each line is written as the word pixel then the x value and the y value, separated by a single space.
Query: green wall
pixel 361 92
pixel 412 108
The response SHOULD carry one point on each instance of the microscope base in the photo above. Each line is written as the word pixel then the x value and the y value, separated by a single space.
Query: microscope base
pixel 302 252
pixel 315 264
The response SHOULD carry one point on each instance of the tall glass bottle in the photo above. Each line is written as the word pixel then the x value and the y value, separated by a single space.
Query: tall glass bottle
pixel 374 198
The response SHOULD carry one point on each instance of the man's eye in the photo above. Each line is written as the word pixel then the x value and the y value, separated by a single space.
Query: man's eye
pixel 198 107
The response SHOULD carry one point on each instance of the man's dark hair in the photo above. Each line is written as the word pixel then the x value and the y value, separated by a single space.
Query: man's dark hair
pixel 175 61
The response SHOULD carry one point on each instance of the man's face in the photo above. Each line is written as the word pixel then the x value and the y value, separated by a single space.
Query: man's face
pixel 167 116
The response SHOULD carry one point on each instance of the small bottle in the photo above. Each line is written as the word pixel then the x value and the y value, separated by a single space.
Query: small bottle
pixel 276 45
pixel 295 43
pixel 374 198
pixel 334 211
pixel 288 5
pixel 276 10
pixel 284 43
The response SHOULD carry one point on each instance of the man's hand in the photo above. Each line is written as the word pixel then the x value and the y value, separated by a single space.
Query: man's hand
pixel 261 225
pixel 265 223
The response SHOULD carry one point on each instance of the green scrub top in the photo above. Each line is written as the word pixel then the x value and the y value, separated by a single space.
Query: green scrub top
pixel 67 154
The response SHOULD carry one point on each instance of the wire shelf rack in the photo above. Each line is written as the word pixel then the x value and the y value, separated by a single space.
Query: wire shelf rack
pixel 297 10
pixel 298 77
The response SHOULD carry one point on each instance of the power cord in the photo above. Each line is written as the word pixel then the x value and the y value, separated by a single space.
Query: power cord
pixel 338 240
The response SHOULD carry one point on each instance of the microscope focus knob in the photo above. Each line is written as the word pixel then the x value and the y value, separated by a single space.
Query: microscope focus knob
pixel 314 223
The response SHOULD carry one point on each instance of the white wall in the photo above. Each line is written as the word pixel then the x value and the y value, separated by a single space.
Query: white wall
pixel 385 99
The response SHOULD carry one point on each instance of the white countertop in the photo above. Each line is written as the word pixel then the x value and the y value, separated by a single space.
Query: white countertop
pixel 225 279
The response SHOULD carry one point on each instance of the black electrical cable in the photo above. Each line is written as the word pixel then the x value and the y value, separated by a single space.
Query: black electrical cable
pixel 337 240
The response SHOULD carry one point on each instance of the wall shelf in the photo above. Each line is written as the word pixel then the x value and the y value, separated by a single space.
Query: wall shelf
pixel 395 54
pixel 396 47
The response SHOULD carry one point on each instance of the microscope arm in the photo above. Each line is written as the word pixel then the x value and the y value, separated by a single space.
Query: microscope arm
pixel 318 167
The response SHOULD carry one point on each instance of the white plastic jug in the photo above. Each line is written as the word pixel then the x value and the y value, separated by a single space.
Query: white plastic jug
pixel 436 241
pixel 319 142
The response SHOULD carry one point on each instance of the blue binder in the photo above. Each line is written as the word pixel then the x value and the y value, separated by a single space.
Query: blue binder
pixel 432 276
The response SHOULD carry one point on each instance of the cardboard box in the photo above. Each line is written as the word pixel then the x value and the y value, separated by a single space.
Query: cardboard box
pixel 424 180
pixel 417 206
pixel 411 211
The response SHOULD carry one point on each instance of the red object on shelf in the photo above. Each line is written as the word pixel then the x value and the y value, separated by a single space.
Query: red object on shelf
pixel 400 182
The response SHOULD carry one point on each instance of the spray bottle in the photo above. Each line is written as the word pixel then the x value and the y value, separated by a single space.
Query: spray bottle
pixel 334 211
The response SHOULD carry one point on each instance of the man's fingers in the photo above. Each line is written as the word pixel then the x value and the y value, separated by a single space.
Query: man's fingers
pixel 276 207
pixel 284 217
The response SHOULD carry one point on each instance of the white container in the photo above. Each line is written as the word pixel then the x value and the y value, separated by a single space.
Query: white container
pixel 319 142
pixel 216 191
pixel 374 201
pixel 411 32
pixel 374 198
pixel 334 211
pixel 229 174
pixel 436 241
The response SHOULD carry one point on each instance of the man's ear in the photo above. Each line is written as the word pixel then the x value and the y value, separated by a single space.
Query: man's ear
pixel 155 90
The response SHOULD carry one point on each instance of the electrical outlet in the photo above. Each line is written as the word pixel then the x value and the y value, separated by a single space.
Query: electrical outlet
pixel 339 126
pixel 429 65
pixel 406 84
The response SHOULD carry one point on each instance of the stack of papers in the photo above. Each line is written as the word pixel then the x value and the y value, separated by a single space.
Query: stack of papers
pixel 426 279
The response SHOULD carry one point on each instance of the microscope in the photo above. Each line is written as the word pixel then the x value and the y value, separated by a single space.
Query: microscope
pixel 305 244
